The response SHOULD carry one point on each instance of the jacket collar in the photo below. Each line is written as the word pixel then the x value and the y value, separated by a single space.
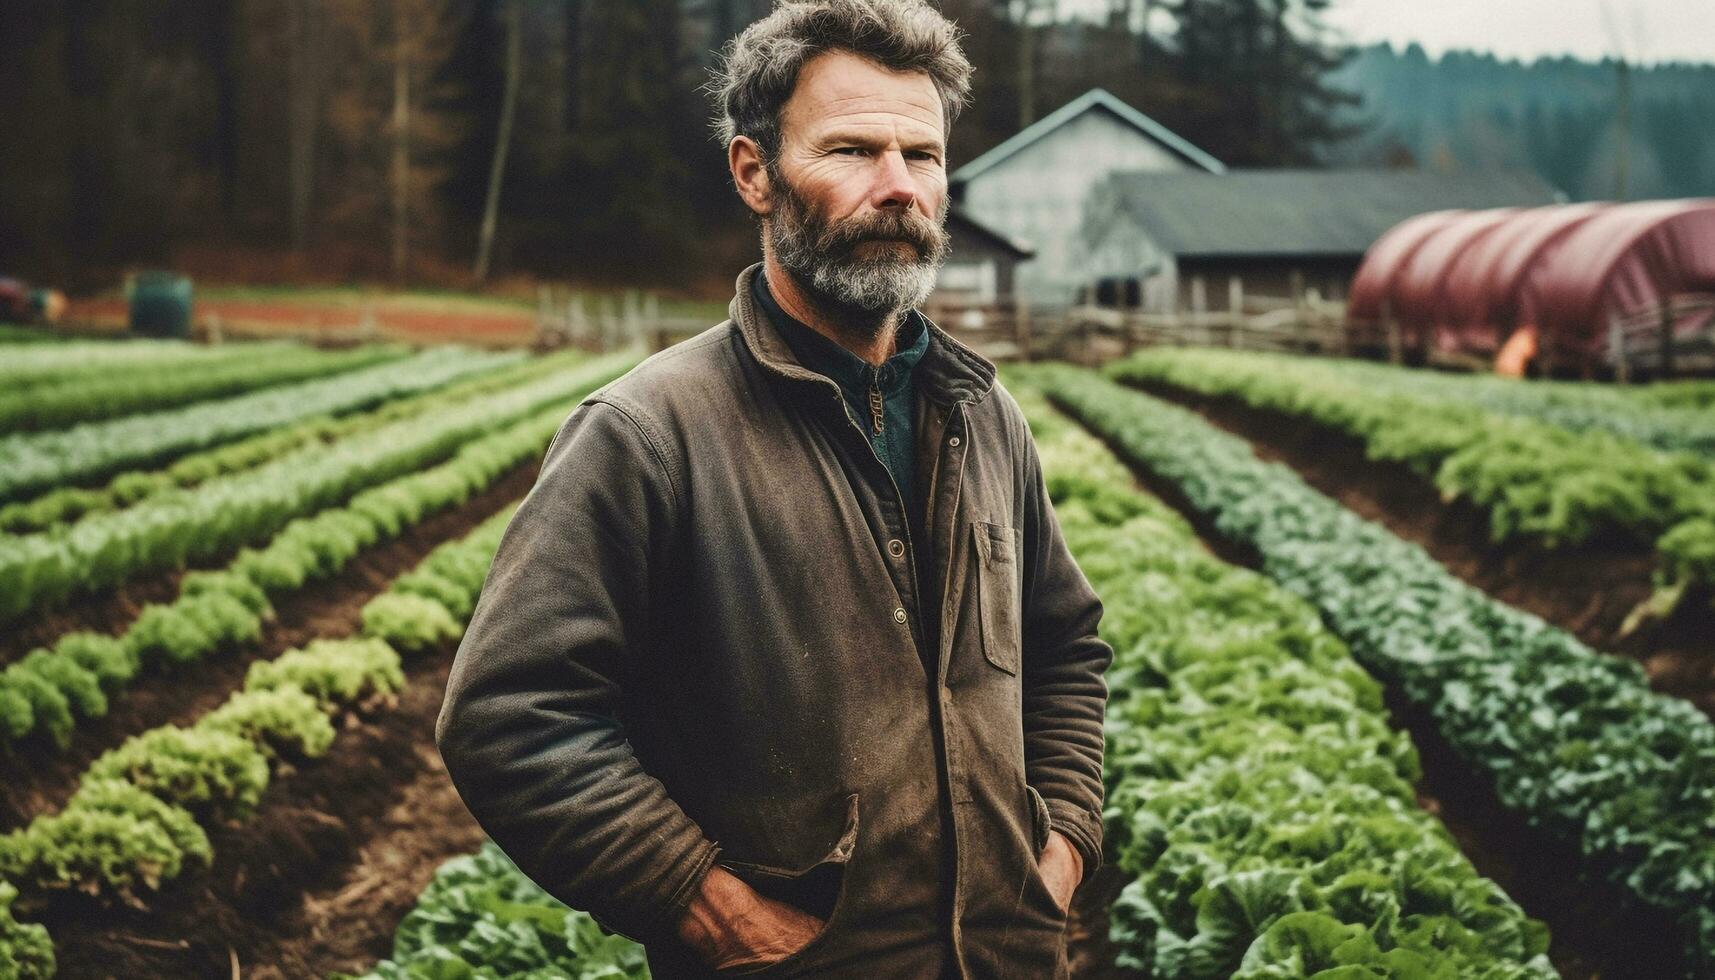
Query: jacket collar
pixel 949 372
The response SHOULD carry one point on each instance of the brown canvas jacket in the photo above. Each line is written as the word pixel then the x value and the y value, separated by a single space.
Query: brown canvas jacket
pixel 698 643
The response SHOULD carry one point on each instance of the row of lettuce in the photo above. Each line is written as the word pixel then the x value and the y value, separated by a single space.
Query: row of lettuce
pixel 1503 448
pixel 141 815
pixel 61 507
pixel 1573 740
pixel 29 361
pixel 225 512
pixel 31 462
pixel 227 370
pixel 52 690
pixel 1255 791
pixel 1668 416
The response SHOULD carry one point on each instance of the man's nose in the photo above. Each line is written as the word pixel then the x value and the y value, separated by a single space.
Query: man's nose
pixel 894 186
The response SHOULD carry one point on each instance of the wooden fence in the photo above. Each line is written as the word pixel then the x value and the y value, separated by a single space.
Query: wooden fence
pixel 1651 341
pixel 566 318
pixel 1092 334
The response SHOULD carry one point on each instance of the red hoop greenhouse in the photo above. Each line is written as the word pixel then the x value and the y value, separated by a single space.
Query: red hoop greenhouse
pixel 1580 281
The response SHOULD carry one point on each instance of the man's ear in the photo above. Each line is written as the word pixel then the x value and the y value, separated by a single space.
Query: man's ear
pixel 749 173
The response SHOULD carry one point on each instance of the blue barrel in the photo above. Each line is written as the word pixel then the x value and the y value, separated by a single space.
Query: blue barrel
pixel 161 304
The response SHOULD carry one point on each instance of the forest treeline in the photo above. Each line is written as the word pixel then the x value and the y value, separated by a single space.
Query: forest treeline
pixel 332 140
pixel 1559 117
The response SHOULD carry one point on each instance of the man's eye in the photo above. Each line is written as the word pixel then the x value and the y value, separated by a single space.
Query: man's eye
pixel 850 150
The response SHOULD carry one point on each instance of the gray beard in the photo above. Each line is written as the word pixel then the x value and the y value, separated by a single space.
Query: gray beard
pixel 861 290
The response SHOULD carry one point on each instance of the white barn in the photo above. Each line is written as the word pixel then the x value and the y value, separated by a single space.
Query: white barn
pixel 1032 187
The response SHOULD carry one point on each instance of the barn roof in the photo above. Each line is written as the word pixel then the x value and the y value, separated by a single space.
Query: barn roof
pixel 1016 248
pixel 1095 100
pixel 1289 212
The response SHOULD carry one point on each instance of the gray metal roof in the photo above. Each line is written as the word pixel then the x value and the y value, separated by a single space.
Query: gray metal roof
pixel 1095 99
pixel 1019 248
pixel 1284 212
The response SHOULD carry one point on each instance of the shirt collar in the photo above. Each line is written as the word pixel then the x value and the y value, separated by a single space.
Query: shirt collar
pixel 819 353
pixel 949 374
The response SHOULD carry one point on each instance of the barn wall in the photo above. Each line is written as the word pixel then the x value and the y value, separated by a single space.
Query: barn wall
pixel 1037 195
pixel 967 250
pixel 1125 252
pixel 1270 277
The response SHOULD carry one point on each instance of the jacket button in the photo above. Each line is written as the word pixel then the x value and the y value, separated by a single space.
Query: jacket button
pixel 896 547
pixel 899 615
pixel 954 442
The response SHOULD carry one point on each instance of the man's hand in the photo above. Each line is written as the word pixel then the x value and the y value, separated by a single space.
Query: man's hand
pixel 1062 868
pixel 730 925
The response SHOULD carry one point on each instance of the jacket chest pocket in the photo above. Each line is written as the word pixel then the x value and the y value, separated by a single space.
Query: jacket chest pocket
pixel 998 593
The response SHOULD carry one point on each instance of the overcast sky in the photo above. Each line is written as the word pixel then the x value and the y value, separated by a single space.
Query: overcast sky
pixel 1655 30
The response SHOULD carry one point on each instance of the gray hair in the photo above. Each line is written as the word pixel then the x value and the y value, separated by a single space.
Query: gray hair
pixel 759 68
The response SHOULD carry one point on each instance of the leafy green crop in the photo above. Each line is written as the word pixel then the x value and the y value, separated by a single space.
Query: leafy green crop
pixel 26 952
pixel 279 720
pixel 411 623
pixel 1572 739
pixel 34 461
pixel 481 919
pixel 226 609
pixel 332 671
pixel 1547 482
pixel 208 771
pixel 66 505
pixel 230 511
pixel 1255 789
pixel 429 605
pixel 136 821
pixel 62 403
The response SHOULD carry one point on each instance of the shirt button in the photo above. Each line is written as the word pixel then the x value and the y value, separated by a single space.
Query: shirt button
pixel 899 615
pixel 954 442
pixel 896 547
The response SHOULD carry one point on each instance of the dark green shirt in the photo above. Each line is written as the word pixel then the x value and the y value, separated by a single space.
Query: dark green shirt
pixel 860 382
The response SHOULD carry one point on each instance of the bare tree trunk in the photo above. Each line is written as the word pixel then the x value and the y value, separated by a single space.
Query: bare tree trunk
pixel 303 104
pixel 401 144
pixel 503 138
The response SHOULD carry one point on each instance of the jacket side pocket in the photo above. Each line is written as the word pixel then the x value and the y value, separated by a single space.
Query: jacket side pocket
pixel 998 594
pixel 818 888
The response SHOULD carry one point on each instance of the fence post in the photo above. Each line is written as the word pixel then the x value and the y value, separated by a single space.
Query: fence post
pixel 632 317
pixel 366 327
pixel 1199 307
pixel 1395 346
pixel 577 321
pixel 1236 310
pixel 1617 349
pixel 1667 337
pixel 1021 328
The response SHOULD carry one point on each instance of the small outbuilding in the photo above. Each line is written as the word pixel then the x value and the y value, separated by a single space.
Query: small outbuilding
pixel 1172 241
pixel 976 292
pixel 1031 188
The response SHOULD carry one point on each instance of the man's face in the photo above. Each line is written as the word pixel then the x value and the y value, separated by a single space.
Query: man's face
pixel 858 190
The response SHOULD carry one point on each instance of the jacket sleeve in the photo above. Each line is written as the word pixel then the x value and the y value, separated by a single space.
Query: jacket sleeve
pixel 529 729
pixel 1065 695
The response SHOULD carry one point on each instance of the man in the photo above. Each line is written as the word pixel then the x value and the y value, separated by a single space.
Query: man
pixel 783 667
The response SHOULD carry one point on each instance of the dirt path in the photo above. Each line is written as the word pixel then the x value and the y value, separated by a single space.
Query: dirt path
pixel 1587 591
pixel 38 776
pixel 335 321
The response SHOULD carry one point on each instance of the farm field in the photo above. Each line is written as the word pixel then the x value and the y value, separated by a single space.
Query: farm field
pixel 418 317
pixel 1405 685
